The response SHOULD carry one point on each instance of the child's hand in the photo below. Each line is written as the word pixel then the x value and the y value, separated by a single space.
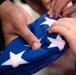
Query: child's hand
pixel 67 28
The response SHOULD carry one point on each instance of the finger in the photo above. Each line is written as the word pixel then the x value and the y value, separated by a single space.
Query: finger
pixel 61 30
pixel 27 35
pixel 51 11
pixel 22 30
pixel 69 11
pixel 47 5
pixel 59 7
pixel 66 22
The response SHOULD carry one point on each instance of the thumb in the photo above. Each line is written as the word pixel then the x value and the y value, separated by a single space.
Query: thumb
pixel 26 34
pixel 29 37
pixel 23 31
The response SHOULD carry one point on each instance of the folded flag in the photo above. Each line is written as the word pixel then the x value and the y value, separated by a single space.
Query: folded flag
pixel 18 58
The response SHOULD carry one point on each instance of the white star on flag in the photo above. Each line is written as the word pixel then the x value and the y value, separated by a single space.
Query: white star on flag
pixel 48 21
pixel 15 60
pixel 58 42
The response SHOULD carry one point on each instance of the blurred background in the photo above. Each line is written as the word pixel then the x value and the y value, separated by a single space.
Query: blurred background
pixel 65 65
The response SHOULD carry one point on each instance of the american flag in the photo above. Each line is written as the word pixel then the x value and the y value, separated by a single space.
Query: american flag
pixel 18 58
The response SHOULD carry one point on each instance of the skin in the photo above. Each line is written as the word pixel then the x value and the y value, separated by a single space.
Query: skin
pixel 37 6
pixel 67 28
pixel 47 3
pixel 14 23
pixel 57 7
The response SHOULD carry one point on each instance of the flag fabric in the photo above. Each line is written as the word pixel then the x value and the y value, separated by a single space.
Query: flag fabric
pixel 18 58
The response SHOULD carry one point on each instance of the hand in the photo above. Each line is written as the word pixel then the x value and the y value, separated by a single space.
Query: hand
pixel 14 23
pixel 37 6
pixel 67 28
pixel 57 7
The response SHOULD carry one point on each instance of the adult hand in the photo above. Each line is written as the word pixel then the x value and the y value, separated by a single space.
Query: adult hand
pixel 14 23
pixel 57 7
pixel 67 28
pixel 37 6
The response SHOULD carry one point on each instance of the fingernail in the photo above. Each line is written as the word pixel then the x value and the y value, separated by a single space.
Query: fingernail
pixel 48 12
pixel 47 1
pixel 35 46
pixel 50 15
